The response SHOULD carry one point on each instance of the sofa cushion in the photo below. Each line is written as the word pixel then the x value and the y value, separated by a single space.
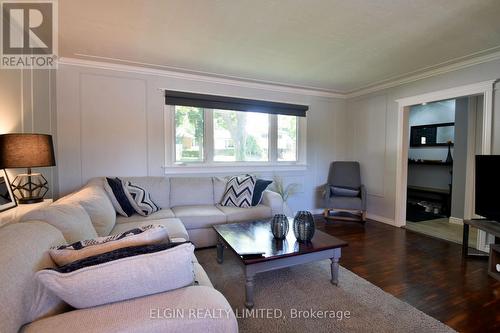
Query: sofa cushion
pixel 121 274
pixel 344 191
pixel 158 188
pixel 150 234
pixel 70 218
pixel 237 214
pixel 161 214
pixel 23 250
pixel 191 191
pixel 144 314
pixel 175 228
pixel 219 188
pixel 96 203
pixel 199 216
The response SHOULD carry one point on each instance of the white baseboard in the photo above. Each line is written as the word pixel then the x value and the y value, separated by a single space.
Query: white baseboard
pixel 456 220
pixel 382 219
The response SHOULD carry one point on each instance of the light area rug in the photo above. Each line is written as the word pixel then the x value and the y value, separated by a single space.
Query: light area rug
pixel 281 294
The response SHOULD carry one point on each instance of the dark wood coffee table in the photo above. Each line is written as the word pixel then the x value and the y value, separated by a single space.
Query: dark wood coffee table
pixel 252 237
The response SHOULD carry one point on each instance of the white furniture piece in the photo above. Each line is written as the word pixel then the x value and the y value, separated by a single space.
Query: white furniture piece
pixel 23 252
pixel 15 214
pixel 190 205
pixel 188 211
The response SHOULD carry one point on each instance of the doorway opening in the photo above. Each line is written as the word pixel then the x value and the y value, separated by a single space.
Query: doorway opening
pixel 482 91
pixel 442 137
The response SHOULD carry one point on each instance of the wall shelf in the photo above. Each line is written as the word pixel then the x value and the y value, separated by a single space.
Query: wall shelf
pixel 428 162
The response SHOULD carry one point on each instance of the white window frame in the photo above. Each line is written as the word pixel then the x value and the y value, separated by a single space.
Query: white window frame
pixel 275 132
pixel 174 137
pixel 208 165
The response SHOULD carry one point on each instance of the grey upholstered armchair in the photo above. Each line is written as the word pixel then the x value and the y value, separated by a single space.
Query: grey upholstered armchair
pixel 344 192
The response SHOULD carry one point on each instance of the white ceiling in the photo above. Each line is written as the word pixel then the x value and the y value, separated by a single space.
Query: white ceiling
pixel 335 45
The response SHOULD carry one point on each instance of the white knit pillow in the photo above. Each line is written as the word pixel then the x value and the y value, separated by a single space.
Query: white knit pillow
pixel 122 279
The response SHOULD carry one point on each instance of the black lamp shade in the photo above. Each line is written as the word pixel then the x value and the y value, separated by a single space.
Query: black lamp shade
pixel 22 150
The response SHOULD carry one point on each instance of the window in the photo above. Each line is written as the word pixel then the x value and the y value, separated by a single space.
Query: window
pixel 220 131
pixel 214 136
pixel 189 134
pixel 240 136
pixel 287 138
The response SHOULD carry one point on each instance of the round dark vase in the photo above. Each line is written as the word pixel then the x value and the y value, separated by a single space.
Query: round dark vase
pixel 279 226
pixel 303 226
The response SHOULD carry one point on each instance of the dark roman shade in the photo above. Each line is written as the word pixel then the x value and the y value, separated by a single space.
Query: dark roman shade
pixel 233 103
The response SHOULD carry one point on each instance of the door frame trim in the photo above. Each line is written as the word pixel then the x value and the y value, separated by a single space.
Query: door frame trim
pixel 484 88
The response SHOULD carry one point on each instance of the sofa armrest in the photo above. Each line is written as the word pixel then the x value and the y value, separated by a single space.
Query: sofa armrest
pixel 190 309
pixel 273 200
pixel 363 195
pixel 326 191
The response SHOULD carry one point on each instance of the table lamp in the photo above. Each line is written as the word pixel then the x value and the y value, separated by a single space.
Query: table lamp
pixel 27 150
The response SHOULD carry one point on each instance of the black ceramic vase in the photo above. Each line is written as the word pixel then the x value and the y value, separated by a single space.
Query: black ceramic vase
pixel 303 226
pixel 279 226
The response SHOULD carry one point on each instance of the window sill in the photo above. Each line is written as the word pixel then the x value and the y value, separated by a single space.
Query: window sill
pixel 226 168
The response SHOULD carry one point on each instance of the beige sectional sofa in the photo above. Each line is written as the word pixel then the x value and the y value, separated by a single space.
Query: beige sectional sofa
pixel 188 210
pixel 190 204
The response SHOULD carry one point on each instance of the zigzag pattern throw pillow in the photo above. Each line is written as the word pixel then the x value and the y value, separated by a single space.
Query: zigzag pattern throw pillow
pixel 140 199
pixel 239 191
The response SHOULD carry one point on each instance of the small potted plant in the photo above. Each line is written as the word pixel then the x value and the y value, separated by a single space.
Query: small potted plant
pixel 285 192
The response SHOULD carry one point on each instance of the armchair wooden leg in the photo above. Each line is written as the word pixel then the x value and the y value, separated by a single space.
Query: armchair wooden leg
pixel 326 212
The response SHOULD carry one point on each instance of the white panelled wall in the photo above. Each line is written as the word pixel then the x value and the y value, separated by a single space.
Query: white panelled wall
pixel 111 123
pixel 28 105
pixel 378 112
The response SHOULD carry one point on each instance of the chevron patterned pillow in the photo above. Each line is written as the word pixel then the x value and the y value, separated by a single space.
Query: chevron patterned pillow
pixel 139 199
pixel 239 191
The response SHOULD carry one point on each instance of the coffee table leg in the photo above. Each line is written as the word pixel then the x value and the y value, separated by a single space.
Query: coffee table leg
pixel 220 251
pixel 335 267
pixel 249 291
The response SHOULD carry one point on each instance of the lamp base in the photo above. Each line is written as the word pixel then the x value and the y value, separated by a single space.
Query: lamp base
pixel 25 201
pixel 29 188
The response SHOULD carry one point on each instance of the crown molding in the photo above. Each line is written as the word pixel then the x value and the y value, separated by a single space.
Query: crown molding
pixel 147 69
pixel 466 90
pixel 245 83
pixel 423 74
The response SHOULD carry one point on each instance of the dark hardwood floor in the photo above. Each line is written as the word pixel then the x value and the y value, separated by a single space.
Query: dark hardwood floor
pixel 423 271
